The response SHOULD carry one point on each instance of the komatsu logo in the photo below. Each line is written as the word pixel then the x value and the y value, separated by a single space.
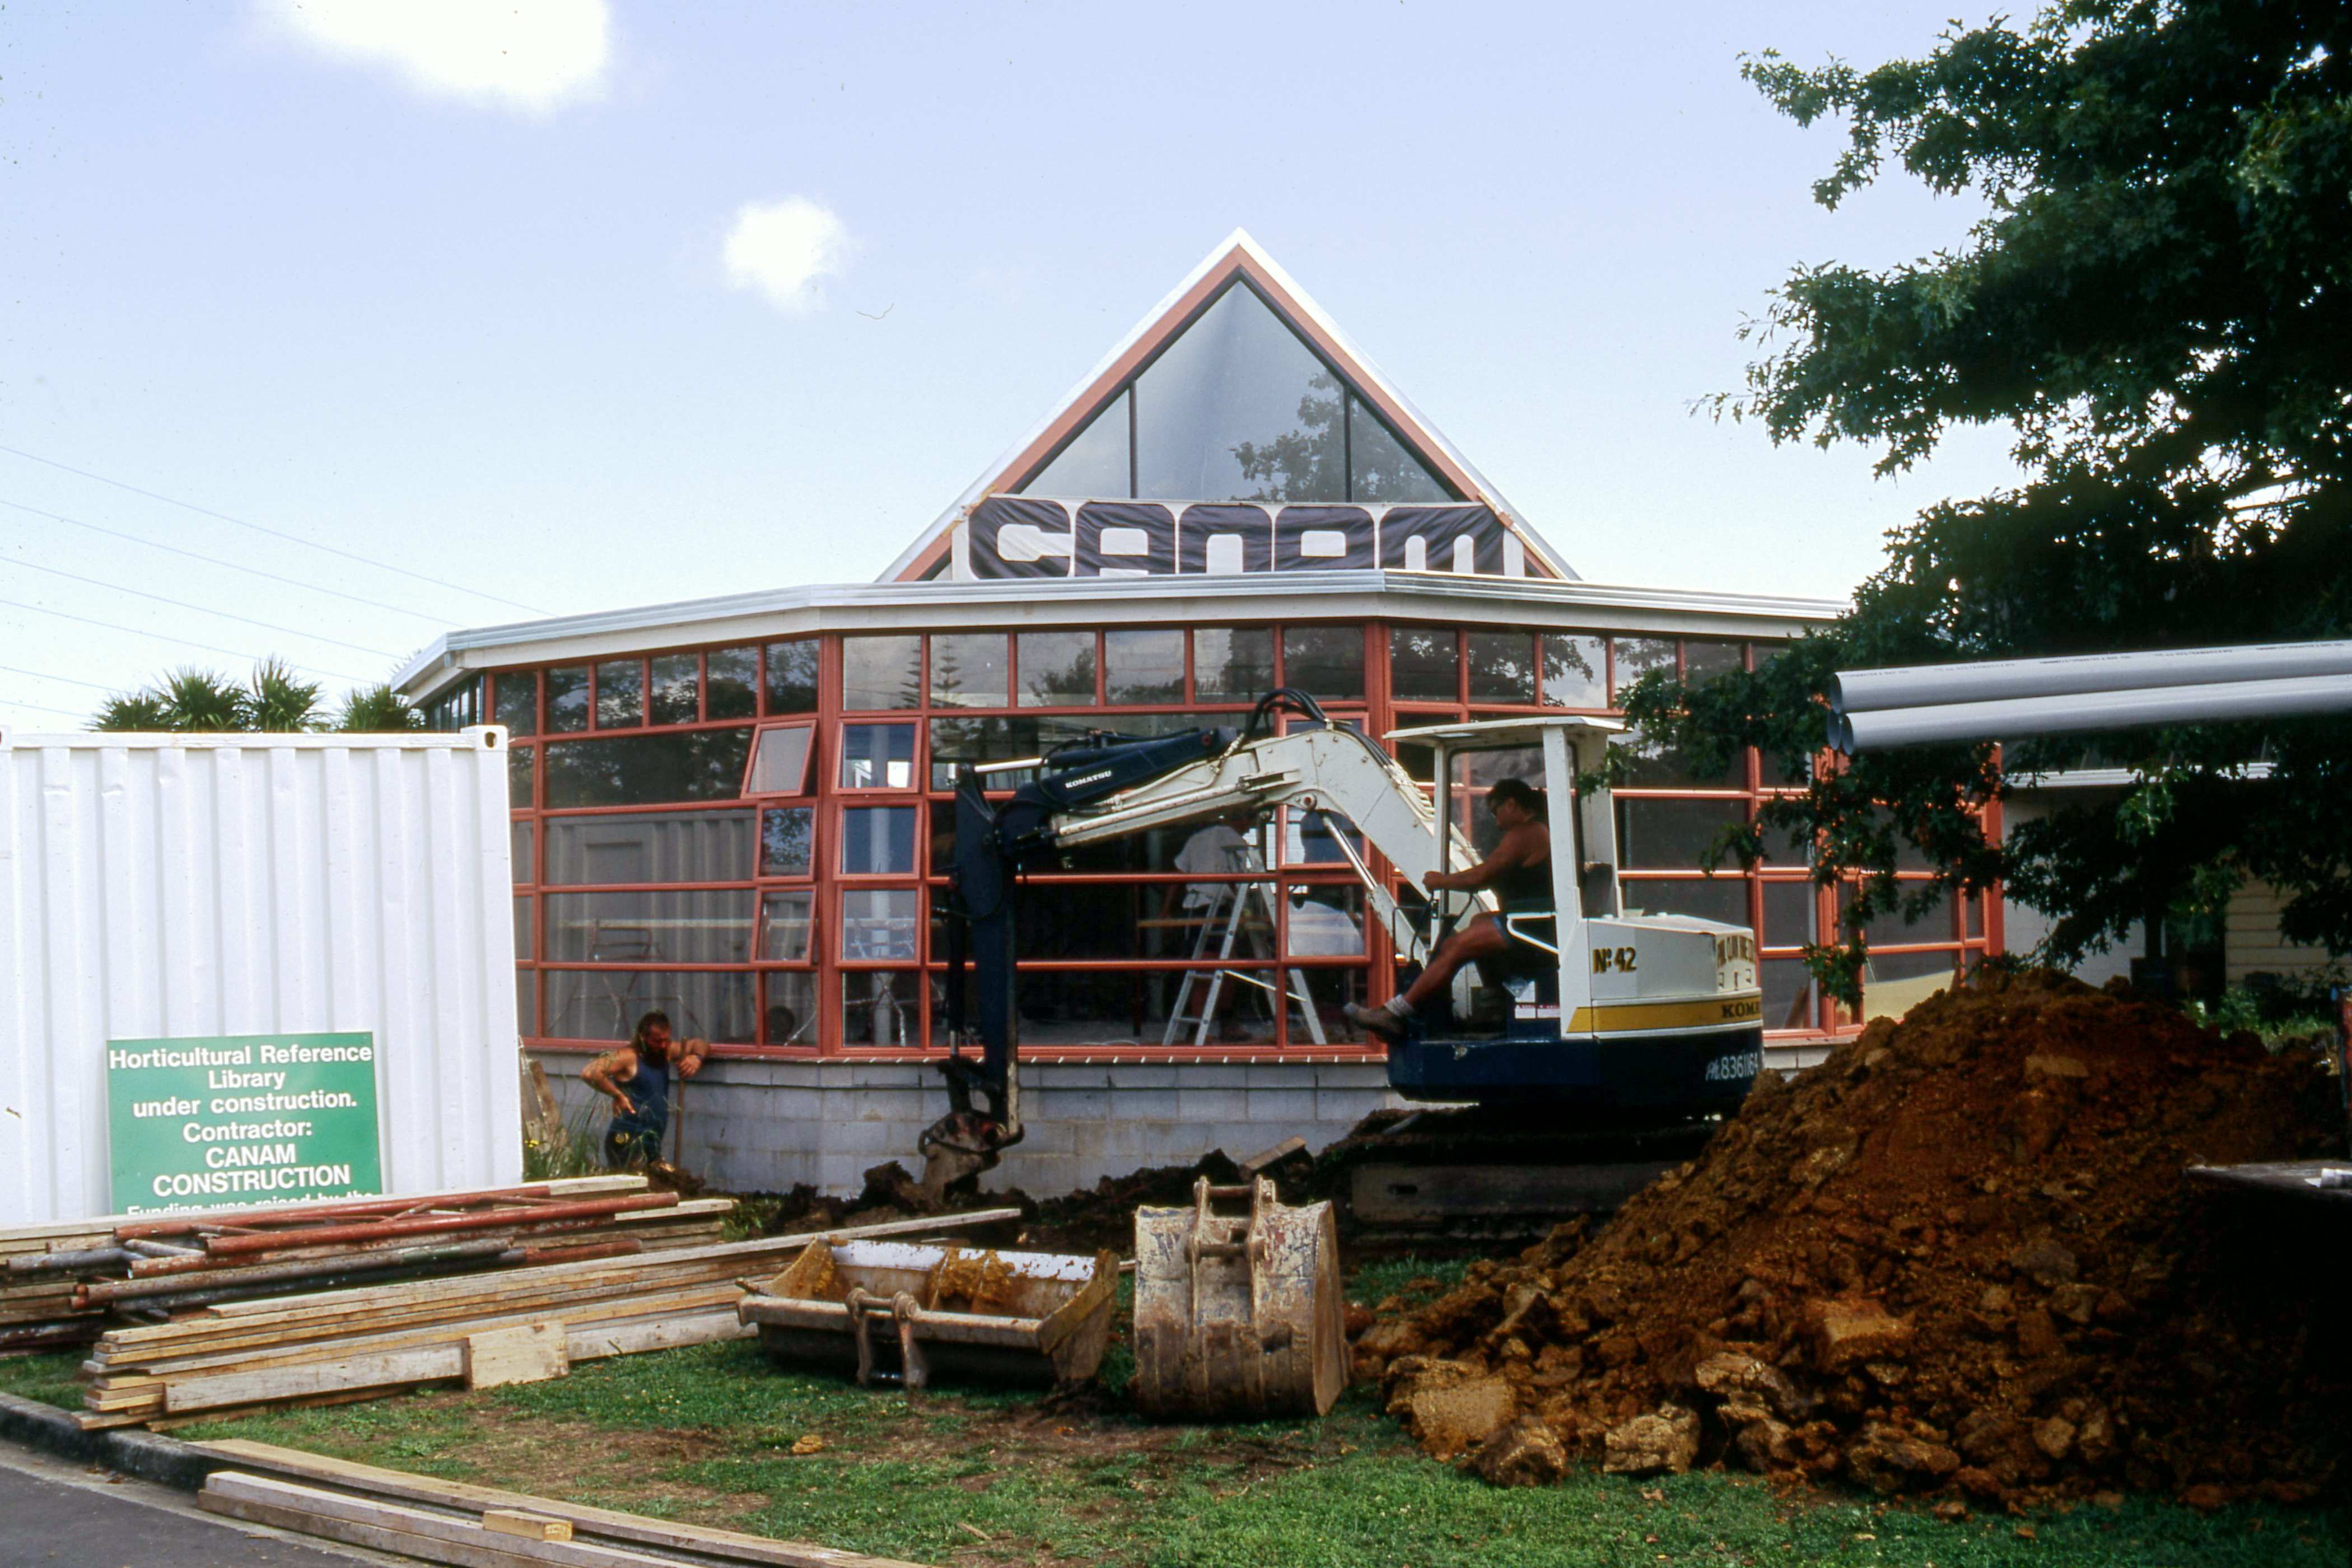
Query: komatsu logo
pixel 1089 778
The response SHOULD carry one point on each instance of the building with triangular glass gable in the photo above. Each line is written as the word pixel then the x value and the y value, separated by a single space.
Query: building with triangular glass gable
pixel 735 809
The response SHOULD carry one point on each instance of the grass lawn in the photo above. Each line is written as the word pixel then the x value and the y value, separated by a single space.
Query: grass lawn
pixel 979 1478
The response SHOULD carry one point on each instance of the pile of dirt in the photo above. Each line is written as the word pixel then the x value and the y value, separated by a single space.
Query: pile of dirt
pixel 1958 1258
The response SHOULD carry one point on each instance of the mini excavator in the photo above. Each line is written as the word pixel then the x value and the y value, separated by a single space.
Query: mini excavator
pixel 1599 1020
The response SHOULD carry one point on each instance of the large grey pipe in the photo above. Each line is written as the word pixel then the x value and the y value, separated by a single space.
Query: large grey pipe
pixel 2015 719
pixel 1924 685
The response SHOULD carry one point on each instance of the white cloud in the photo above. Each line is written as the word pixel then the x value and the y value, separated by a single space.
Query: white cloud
pixel 525 54
pixel 783 249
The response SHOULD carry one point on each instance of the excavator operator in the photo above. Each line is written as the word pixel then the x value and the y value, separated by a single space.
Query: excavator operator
pixel 1519 873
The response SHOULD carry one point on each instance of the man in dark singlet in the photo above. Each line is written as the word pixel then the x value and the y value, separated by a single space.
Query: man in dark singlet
pixel 641 1111
pixel 1520 874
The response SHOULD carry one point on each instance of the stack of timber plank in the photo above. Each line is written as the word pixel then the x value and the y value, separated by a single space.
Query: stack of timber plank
pixel 516 1325
pixel 481 1527
pixel 63 1284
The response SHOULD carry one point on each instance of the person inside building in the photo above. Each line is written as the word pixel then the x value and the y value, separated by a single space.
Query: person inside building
pixel 1517 871
pixel 637 1079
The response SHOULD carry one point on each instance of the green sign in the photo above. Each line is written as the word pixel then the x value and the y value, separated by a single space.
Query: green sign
pixel 242 1118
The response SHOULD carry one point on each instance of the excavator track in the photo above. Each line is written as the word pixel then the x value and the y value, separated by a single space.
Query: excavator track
pixel 1433 1180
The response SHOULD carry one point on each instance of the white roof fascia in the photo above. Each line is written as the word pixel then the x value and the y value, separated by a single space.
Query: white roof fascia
pixel 2114 778
pixel 1517 602
pixel 1239 240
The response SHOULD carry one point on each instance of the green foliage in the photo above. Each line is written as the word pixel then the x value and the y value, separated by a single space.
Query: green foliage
pixel 192 701
pixel 578 1150
pixel 377 710
pixel 2157 307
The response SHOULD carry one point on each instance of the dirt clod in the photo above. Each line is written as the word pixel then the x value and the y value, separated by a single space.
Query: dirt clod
pixel 1960 1257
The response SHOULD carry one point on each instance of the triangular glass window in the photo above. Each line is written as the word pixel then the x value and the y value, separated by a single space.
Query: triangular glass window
pixel 1094 464
pixel 1380 468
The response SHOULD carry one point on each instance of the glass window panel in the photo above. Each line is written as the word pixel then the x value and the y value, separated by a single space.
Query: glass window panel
pixel 1789 914
pixel 1502 667
pixel 1475 772
pixel 527 1002
pixel 1325 661
pixel 788 926
pixel 1325 923
pixel 1333 992
pixel 650 846
pixel 605 1003
pixel 790 1019
pixel 732 686
pixel 1237 408
pixel 1788 993
pixel 1575 670
pixel 793 677
pixel 968 670
pixel 1094 464
pixel 1144 666
pixel 518 701
pixel 881 673
pixel 1636 657
pixel 1652 765
pixel 1379 466
pixel 1704 658
pixel 1722 898
pixel 880 924
pixel 877 756
pixel 1893 929
pixel 1232 664
pixel 1057 669
pixel 877 840
pixel 525 931
pixel 1778 774
pixel 620 694
pixel 787 841
pixel 522 764
pixel 783 762
pixel 567 698
pixel 1894 984
pixel 676 689
pixel 655 925
pixel 1670 834
pixel 1313 837
pixel 881 1007
pixel 1972 912
pixel 647 770
pixel 520 837
pixel 1424 663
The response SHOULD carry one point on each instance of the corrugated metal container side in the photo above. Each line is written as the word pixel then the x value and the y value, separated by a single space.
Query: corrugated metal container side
pixel 168 886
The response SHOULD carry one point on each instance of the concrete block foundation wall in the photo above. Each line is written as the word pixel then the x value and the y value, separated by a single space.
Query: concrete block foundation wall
pixel 752 1125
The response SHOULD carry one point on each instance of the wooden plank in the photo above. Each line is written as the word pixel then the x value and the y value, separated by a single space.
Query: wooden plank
pixel 529 1526
pixel 528 1353
pixel 411 1532
pixel 607 1524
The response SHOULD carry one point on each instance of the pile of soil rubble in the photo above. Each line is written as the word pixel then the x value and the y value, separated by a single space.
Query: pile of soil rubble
pixel 1958 1258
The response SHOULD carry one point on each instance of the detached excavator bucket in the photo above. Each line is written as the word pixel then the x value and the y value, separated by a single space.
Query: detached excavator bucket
pixel 1238 1315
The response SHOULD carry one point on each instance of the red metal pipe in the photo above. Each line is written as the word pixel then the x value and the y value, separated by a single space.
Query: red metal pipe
pixel 432 1224
pixel 180 1225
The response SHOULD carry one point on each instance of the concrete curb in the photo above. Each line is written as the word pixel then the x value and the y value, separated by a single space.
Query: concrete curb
pixel 147 1455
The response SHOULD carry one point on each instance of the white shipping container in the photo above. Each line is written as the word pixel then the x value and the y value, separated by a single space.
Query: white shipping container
pixel 176 886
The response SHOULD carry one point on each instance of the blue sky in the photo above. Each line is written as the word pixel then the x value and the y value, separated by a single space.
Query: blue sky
pixel 533 314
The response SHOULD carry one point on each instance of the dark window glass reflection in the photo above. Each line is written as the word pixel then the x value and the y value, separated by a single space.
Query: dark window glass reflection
pixel 1144 665
pixel 791 677
pixel 732 686
pixel 620 694
pixel 1057 668
pixel 676 689
pixel 1424 664
pixel 1575 670
pixel 787 841
pixel 968 670
pixel 877 840
pixel 1094 466
pixel 1325 661
pixel 647 770
pixel 518 699
pixel 605 1003
pixel 654 925
pixel 649 846
pixel 877 756
pixel 881 673
pixel 567 698
pixel 1379 466
pixel 1502 667
pixel 1232 664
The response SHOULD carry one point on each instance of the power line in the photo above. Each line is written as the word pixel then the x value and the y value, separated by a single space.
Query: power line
pixel 219 560
pixel 205 610
pixel 58 712
pixel 166 637
pixel 44 675
pixel 275 533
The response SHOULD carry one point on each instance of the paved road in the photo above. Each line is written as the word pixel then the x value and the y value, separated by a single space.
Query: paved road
pixel 53 1513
